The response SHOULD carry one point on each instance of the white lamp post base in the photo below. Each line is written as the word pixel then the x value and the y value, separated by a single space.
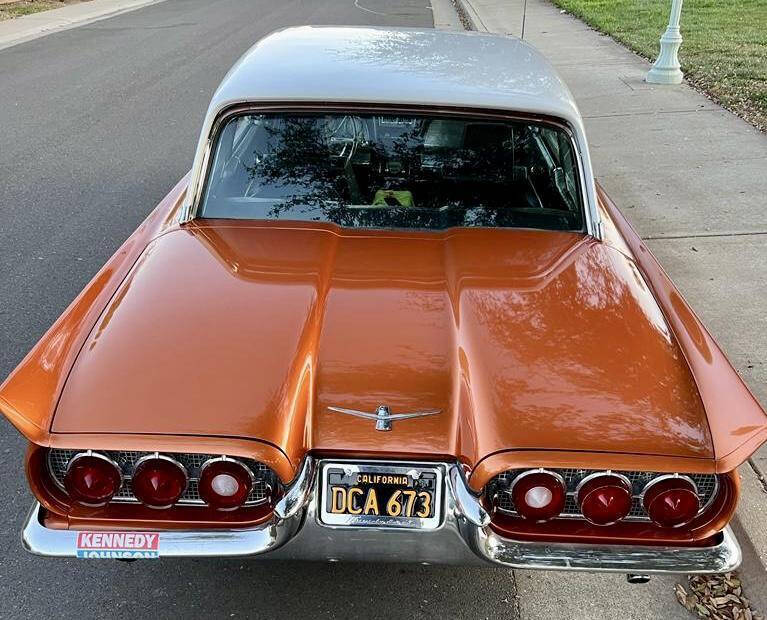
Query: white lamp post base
pixel 666 69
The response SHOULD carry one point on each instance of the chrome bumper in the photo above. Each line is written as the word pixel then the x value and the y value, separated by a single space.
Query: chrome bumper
pixel 463 538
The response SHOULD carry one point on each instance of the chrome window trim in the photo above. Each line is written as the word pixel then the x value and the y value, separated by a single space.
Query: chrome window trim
pixel 200 173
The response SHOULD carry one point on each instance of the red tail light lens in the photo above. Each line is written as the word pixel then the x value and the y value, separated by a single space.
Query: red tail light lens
pixel 671 501
pixel 538 494
pixel 92 479
pixel 225 483
pixel 159 481
pixel 604 498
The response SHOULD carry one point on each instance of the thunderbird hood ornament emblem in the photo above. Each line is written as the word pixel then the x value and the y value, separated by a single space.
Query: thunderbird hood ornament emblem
pixel 383 417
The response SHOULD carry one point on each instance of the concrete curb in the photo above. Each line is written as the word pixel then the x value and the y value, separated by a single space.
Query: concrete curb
pixel 445 15
pixel 749 527
pixel 36 25
pixel 471 15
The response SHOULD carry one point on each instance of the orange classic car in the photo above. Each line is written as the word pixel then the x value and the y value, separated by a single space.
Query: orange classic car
pixel 388 316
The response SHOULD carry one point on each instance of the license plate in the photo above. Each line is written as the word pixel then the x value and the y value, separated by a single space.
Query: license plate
pixel 380 495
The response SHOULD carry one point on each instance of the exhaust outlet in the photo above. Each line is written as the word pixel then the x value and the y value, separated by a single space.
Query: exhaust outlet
pixel 635 578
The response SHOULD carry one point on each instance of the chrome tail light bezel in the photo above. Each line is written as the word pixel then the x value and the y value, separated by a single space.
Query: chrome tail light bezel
pixel 556 476
pixel 497 491
pixel 97 455
pixel 265 489
pixel 624 483
pixel 675 476
pixel 244 466
pixel 156 456
pixel 663 477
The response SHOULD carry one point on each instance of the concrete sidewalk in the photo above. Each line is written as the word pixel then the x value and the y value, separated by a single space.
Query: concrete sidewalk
pixel 692 178
pixel 28 27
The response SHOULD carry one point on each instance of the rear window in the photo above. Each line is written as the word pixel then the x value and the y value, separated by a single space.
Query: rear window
pixel 379 171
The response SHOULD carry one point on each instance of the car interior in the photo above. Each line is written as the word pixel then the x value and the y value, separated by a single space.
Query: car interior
pixel 396 171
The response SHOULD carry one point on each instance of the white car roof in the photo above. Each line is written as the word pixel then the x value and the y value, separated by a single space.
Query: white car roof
pixel 399 66
pixel 396 66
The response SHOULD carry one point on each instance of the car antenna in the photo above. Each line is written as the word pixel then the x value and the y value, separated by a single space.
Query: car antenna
pixel 524 15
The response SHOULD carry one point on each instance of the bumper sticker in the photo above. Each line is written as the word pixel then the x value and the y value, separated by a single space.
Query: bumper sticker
pixel 118 545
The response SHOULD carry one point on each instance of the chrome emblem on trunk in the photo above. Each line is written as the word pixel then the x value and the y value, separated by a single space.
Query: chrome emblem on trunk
pixel 383 417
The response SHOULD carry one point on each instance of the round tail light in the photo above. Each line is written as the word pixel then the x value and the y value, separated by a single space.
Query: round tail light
pixel 225 483
pixel 604 498
pixel 671 501
pixel 92 479
pixel 159 481
pixel 538 494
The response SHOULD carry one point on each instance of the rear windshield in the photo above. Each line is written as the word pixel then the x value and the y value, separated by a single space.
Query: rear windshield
pixel 377 171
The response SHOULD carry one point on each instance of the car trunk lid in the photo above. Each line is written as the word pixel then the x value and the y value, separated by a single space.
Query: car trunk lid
pixel 522 339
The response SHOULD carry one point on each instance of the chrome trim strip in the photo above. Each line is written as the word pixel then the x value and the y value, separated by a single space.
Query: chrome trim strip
pixel 723 557
pixel 458 540
pixel 299 493
pixel 251 476
pixel 40 540
pixel 97 455
pixel 538 470
pixel 467 503
pixel 228 459
pixel 596 474
pixel 675 476
pixel 609 474
pixel 160 457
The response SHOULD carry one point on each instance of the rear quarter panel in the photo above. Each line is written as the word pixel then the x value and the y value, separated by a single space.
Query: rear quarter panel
pixel 737 422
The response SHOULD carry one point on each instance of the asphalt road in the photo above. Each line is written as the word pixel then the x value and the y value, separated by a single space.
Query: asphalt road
pixel 97 123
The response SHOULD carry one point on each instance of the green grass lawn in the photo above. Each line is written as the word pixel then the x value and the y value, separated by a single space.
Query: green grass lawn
pixel 724 50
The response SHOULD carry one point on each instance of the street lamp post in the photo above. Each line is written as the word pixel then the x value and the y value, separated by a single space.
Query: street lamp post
pixel 666 69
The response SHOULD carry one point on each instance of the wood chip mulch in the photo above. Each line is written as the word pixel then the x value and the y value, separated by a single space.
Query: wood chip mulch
pixel 716 597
